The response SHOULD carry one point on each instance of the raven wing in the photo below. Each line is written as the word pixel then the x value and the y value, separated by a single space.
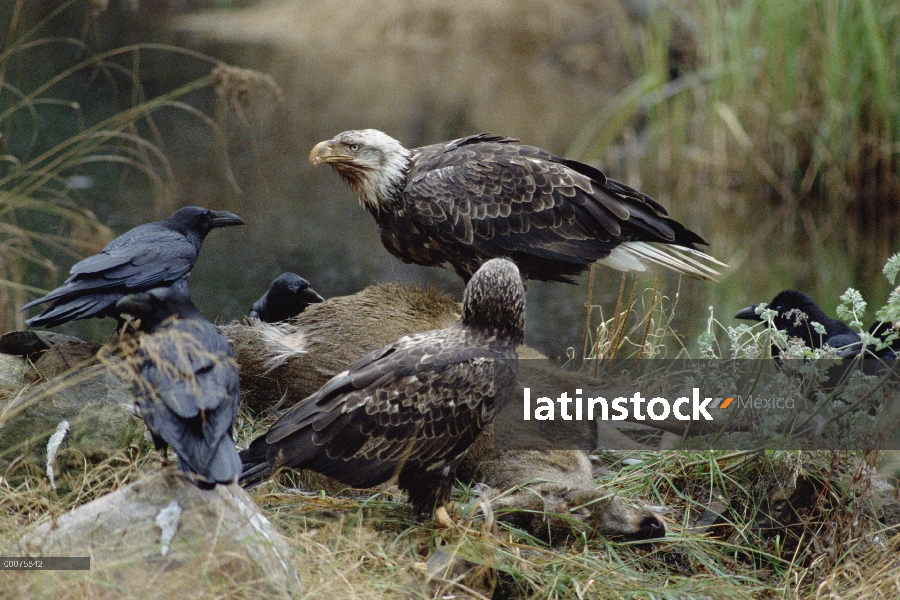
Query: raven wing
pixel 188 392
pixel 139 259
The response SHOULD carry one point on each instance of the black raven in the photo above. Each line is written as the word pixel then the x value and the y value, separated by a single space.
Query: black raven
pixel 185 381
pixel 882 330
pixel 148 256
pixel 486 196
pixel 797 312
pixel 411 408
pixel 287 297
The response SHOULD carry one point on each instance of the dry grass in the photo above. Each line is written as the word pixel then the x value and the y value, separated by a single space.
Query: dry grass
pixel 639 326
pixel 741 525
pixel 362 545
pixel 746 524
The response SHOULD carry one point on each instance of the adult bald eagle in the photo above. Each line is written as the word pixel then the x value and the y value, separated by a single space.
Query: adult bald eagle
pixel 411 408
pixel 486 196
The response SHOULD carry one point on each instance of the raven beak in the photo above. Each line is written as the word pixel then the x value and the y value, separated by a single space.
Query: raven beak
pixel 313 297
pixel 323 152
pixel 748 313
pixel 222 218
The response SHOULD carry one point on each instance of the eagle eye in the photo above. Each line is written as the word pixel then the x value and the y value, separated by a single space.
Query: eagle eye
pixel 354 147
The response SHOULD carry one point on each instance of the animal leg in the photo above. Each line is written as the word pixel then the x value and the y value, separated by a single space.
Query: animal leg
pixel 442 518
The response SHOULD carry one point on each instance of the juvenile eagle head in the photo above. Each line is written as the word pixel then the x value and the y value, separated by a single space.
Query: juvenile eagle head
pixel 372 163
pixel 494 301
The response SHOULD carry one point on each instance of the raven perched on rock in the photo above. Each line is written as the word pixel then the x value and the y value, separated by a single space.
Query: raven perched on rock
pixel 148 256
pixel 186 382
pixel 411 408
pixel 486 196
pixel 287 297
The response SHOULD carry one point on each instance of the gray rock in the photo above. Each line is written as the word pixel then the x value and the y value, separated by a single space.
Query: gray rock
pixel 12 377
pixel 26 343
pixel 164 537
pixel 63 358
pixel 94 402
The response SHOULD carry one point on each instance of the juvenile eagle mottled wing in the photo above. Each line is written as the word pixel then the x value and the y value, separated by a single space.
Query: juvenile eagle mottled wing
pixel 410 401
pixel 504 199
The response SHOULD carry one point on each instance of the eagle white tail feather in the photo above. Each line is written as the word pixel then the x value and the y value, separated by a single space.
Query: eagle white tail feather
pixel 637 257
pixel 283 340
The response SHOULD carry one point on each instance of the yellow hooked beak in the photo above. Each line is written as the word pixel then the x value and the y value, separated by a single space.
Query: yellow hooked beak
pixel 323 152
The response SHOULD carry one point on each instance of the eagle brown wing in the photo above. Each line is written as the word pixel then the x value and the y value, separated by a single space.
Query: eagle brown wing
pixel 499 198
pixel 422 400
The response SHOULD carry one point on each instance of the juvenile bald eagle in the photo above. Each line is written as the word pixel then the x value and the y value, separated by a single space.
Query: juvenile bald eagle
pixel 411 408
pixel 486 196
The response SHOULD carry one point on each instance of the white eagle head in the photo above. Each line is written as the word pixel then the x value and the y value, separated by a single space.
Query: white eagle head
pixel 372 163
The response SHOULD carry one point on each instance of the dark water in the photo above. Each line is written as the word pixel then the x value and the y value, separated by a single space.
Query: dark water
pixel 297 218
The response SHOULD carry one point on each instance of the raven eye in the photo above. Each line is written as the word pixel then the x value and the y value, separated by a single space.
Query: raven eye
pixel 354 147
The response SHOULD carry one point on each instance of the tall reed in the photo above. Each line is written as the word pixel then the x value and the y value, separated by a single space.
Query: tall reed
pixel 771 127
pixel 56 154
